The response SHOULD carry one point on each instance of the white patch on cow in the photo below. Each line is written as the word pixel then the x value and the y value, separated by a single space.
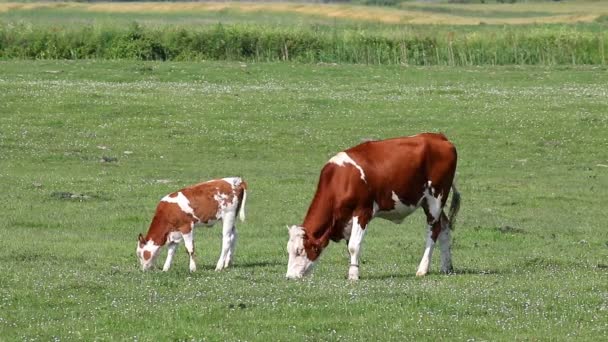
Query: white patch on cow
pixel 434 203
pixel 150 247
pixel 298 265
pixel 354 248
pixel 174 237
pixel 224 205
pixel 182 201
pixel 342 158
pixel 425 263
pixel 233 181
pixel 399 212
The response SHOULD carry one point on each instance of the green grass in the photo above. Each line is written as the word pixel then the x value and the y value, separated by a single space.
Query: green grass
pixel 530 250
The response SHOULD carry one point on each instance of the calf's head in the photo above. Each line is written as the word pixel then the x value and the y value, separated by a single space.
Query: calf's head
pixel 299 264
pixel 146 252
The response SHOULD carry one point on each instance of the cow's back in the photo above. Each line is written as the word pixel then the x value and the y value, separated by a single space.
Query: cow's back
pixel 403 165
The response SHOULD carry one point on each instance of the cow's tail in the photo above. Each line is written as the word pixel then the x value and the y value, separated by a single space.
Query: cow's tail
pixel 242 193
pixel 454 206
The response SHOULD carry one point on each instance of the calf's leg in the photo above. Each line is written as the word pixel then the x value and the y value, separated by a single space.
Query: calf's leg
pixel 189 243
pixel 171 247
pixel 228 242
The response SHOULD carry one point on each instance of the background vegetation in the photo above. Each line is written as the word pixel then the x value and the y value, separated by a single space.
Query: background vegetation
pixel 416 33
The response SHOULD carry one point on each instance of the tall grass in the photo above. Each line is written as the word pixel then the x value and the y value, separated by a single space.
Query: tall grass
pixel 544 45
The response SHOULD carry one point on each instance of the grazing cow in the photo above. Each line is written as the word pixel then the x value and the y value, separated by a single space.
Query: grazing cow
pixel 200 204
pixel 387 179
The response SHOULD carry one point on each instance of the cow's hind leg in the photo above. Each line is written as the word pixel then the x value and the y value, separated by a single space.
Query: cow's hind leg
pixel 433 208
pixel 359 223
pixel 228 242
pixel 445 244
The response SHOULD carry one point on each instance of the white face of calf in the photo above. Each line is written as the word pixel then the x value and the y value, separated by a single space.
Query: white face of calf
pixel 146 252
pixel 298 265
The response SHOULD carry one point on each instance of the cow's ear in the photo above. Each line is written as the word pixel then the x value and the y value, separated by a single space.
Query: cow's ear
pixel 142 242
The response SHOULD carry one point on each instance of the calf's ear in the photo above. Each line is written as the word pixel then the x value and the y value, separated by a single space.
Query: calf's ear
pixel 142 242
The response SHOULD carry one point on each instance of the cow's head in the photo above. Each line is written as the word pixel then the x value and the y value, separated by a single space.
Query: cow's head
pixel 147 251
pixel 299 264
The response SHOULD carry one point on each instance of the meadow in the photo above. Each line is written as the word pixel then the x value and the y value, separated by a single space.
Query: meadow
pixel 89 147
pixel 107 107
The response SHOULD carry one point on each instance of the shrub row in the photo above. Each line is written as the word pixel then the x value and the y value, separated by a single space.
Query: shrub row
pixel 539 45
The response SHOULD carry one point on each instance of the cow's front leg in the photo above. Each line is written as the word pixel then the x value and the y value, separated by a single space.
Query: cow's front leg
pixel 434 228
pixel 354 246
pixel 425 263
pixel 171 247
pixel 189 243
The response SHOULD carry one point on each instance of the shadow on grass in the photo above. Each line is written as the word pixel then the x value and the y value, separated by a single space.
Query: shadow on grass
pixel 461 271
pixel 412 275
pixel 252 264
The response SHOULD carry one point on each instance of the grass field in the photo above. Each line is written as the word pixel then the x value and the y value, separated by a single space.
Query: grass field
pixel 530 250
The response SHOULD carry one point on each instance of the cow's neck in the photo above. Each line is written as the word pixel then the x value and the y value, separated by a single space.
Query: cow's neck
pixel 159 229
pixel 318 224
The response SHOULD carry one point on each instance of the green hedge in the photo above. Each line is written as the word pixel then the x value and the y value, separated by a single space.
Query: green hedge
pixel 538 45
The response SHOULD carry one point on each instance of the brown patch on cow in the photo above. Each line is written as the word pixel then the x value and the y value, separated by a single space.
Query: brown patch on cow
pixel 185 229
pixel 147 255
pixel 435 231
pixel 312 248
pixel 202 198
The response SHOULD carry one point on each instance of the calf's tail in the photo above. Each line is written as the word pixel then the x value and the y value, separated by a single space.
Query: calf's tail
pixel 242 200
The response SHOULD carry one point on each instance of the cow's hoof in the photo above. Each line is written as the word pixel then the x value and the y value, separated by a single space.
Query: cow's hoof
pixel 448 270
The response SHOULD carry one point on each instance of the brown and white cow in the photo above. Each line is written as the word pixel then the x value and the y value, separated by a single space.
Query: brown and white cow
pixel 200 204
pixel 387 179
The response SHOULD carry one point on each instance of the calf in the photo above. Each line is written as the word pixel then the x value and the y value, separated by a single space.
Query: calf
pixel 200 204
pixel 387 179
